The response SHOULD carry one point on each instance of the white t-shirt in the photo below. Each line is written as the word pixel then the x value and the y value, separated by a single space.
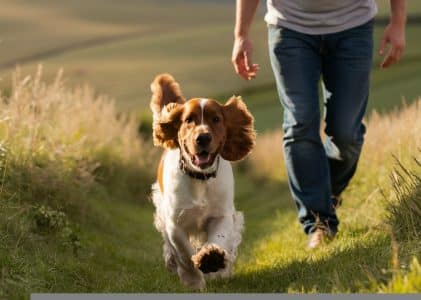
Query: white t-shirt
pixel 319 16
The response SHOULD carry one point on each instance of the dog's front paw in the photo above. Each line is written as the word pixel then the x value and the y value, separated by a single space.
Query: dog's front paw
pixel 211 258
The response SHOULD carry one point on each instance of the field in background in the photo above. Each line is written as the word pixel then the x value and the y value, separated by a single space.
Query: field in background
pixel 119 47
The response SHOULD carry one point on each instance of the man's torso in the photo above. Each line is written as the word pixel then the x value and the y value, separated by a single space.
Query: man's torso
pixel 319 16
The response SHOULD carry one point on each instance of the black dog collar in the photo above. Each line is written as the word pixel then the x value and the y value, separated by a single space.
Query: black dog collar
pixel 196 174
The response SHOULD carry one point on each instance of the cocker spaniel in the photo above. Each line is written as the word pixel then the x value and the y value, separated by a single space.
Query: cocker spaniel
pixel 194 191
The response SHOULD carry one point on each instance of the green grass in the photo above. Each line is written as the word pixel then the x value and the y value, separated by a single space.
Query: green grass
pixel 121 252
pixel 405 283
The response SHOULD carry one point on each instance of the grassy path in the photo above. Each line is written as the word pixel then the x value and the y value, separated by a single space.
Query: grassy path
pixel 121 252
pixel 272 257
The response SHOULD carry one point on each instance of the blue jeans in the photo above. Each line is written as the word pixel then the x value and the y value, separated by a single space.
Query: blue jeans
pixel 343 60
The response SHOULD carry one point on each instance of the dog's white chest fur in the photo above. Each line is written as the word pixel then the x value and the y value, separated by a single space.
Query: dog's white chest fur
pixel 187 198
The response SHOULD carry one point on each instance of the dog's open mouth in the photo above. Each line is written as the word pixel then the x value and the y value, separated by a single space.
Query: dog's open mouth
pixel 202 159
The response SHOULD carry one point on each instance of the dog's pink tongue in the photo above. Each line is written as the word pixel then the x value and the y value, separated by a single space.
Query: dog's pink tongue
pixel 201 159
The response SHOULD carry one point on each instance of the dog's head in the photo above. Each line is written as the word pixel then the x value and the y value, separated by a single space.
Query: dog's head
pixel 202 128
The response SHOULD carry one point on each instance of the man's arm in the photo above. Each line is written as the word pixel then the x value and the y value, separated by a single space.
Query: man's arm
pixel 394 34
pixel 242 50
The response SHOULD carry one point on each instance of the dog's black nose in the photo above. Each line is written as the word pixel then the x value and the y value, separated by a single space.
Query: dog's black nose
pixel 203 139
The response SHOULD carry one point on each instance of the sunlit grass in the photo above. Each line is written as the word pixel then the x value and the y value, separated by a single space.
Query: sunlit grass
pixel 409 282
pixel 65 155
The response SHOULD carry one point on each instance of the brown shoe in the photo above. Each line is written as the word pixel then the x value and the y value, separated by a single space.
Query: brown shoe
pixel 320 236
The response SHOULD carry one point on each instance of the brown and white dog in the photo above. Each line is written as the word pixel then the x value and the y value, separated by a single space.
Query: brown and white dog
pixel 194 192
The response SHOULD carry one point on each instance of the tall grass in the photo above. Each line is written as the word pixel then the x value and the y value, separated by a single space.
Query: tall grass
pixel 65 156
pixel 404 207
pixel 409 282
pixel 58 144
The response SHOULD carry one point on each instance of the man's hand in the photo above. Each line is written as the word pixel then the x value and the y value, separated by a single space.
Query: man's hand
pixel 243 48
pixel 394 34
pixel 394 40
pixel 241 58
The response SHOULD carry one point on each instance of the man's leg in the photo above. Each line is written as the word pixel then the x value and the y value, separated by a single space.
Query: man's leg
pixel 346 65
pixel 296 63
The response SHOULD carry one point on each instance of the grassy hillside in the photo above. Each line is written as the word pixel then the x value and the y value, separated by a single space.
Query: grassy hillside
pixel 75 215
pixel 120 46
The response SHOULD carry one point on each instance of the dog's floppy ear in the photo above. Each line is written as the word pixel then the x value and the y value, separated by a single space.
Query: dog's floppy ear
pixel 165 127
pixel 165 90
pixel 241 135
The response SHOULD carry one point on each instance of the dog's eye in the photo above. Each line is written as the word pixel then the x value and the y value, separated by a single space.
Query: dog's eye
pixel 216 119
pixel 189 120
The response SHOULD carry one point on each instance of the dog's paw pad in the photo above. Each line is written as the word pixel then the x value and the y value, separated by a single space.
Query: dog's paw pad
pixel 210 258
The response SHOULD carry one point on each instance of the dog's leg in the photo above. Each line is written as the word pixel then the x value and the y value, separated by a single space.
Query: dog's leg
pixel 169 255
pixel 188 274
pixel 224 236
